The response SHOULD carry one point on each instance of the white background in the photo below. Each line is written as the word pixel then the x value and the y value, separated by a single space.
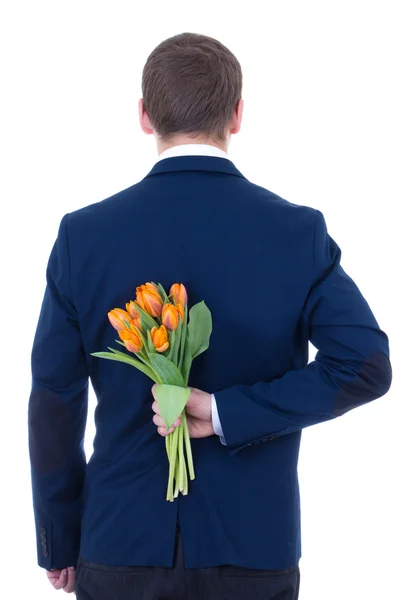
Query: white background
pixel 321 127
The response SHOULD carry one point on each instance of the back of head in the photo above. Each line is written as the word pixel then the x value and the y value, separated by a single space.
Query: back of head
pixel 191 83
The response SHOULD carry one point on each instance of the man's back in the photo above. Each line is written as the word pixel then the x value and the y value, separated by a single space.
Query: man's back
pixel 259 262
pixel 271 276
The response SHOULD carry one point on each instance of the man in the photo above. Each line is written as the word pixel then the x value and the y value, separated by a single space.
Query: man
pixel 271 276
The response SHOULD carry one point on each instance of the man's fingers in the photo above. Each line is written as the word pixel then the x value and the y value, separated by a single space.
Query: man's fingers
pixel 158 420
pixel 70 586
pixel 62 579
pixel 163 430
pixel 155 408
pixel 58 579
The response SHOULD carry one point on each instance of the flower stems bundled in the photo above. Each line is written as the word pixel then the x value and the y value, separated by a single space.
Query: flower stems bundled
pixel 165 339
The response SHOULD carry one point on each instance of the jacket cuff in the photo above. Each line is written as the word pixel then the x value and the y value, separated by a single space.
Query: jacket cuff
pixel 57 546
pixel 216 421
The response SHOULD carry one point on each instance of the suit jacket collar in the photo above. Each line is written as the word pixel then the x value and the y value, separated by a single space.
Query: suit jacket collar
pixel 195 163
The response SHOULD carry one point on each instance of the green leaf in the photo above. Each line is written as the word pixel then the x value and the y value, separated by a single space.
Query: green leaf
pixel 163 293
pixel 150 342
pixel 141 356
pixel 186 363
pixel 119 342
pixel 145 348
pixel 146 321
pixel 177 342
pixel 171 340
pixel 183 340
pixel 166 370
pixel 118 352
pixel 122 357
pixel 200 328
pixel 171 400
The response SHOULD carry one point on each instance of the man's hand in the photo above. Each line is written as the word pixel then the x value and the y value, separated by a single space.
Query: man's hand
pixel 198 414
pixel 62 579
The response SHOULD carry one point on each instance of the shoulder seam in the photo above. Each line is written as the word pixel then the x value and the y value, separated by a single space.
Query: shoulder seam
pixel 69 258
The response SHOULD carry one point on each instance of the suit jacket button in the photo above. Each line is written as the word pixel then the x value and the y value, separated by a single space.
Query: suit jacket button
pixel 45 553
pixel 44 545
pixel 43 531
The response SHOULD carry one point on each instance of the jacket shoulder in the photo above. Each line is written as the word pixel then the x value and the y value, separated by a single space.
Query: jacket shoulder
pixel 107 208
pixel 282 211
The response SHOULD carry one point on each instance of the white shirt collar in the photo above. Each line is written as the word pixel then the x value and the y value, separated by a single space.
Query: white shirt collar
pixel 192 150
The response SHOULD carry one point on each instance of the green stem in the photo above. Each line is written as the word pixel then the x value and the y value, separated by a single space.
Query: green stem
pixel 167 445
pixel 176 492
pixel 188 446
pixel 172 464
pixel 185 482
pixel 176 338
pixel 182 463
pixel 184 340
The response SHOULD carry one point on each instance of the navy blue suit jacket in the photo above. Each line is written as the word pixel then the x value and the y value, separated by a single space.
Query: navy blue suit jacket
pixel 271 275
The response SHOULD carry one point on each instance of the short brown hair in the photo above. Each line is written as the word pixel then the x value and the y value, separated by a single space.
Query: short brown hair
pixel 191 83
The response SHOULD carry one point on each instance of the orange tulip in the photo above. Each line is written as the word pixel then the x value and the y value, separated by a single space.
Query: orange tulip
pixel 132 340
pixel 149 299
pixel 179 294
pixel 170 315
pixel 160 338
pixel 180 310
pixel 134 313
pixel 136 323
pixel 119 319
pixel 132 310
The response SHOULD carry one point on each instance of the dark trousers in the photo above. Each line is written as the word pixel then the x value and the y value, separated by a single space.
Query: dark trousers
pixel 101 582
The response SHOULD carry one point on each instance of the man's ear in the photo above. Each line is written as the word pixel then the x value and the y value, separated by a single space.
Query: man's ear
pixel 144 119
pixel 237 117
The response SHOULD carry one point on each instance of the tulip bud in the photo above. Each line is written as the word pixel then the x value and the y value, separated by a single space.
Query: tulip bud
pixel 159 337
pixel 180 310
pixel 170 315
pixel 119 319
pixel 149 299
pixel 136 323
pixel 132 340
pixel 134 314
pixel 179 294
pixel 132 310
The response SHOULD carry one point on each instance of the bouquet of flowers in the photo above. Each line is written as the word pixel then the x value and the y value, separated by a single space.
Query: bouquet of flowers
pixel 157 329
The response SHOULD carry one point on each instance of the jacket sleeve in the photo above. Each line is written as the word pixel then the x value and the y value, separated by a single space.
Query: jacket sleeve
pixel 351 366
pixel 57 416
